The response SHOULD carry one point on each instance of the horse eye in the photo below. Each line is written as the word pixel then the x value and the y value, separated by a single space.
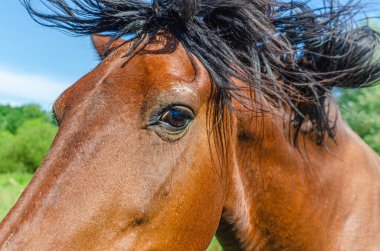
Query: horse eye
pixel 177 117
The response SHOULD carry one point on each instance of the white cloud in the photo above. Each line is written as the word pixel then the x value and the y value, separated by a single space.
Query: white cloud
pixel 18 88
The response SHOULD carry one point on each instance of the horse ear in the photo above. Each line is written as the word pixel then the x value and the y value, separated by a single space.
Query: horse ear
pixel 101 42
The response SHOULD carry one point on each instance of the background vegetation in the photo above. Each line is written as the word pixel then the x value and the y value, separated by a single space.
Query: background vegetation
pixel 26 133
pixel 361 109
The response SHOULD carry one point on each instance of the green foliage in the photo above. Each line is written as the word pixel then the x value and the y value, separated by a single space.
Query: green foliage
pixel 361 109
pixel 26 133
pixel 214 245
pixel 11 186
pixel 12 118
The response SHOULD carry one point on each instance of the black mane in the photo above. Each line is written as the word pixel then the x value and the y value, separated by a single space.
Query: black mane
pixel 286 51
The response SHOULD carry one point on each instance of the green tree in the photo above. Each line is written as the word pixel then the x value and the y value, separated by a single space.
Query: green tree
pixel 361 109
pixel 7 160
pixel 32 141
pixel 12 118
pixel 25 150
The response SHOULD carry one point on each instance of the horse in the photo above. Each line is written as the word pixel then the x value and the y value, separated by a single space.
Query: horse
pixel 215 118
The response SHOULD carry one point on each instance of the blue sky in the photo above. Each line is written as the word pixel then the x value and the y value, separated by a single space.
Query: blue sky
pixel 38 63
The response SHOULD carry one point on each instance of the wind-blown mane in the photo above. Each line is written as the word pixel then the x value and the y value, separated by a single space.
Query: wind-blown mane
pixel 285 51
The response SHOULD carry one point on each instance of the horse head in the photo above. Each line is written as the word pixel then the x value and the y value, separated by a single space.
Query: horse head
pixel 132 155
pixel 217 117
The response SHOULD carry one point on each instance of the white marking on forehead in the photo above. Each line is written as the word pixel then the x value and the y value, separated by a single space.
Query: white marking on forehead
pixel 183 89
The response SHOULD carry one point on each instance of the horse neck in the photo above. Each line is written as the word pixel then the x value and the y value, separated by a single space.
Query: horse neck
pixel 321 198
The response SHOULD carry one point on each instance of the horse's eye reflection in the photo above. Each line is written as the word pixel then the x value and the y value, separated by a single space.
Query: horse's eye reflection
pixel 176 118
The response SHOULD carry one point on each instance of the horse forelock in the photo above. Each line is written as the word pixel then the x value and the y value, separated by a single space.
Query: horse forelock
pixel 285 51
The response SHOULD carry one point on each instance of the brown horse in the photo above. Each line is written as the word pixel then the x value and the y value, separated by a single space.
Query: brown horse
pixel 157 150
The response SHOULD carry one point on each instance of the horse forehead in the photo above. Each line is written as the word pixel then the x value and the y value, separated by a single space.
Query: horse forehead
pixel 165 58
pixel 164 64
pixel 155 69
